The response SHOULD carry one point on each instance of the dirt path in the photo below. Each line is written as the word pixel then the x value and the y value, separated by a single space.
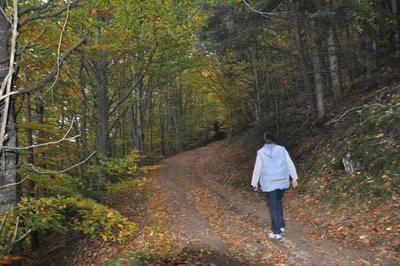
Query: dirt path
pixel 208 214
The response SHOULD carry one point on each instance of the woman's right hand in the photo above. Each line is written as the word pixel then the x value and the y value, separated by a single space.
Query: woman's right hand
pixel 294 183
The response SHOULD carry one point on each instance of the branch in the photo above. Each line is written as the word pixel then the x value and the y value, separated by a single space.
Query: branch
pixel 137 83
pixel 117 118
pixel 361 107
pixel 62 171
pixel 6 250
pixel 49 15
pixel 264 14
pixel 14 184
pixel 28 44
pixel 47 143
pixel 54 71
pixel 34 8
pixel 59 49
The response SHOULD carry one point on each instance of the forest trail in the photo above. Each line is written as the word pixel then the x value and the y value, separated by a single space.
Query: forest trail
pixel 232 223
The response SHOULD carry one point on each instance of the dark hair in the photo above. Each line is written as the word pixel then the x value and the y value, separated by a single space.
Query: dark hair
pixel 269 138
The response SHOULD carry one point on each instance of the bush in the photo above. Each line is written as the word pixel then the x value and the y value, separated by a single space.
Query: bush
pixel 117 169
pixel 63 214
pixel 50 185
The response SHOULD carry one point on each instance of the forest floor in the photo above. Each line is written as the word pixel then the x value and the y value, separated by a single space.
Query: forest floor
pixel 199 214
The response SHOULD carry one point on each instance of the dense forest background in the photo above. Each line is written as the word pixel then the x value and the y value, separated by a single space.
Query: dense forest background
pixel 93 92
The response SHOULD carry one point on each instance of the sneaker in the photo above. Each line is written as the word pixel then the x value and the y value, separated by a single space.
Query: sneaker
pixel 283 230
pixel 274 236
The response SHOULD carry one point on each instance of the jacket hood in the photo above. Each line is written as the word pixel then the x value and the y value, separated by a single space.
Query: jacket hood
pixel 270 150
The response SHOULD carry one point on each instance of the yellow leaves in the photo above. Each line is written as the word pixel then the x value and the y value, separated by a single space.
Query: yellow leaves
pixel 10 260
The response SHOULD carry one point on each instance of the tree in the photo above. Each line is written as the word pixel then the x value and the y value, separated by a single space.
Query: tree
pixel 10 20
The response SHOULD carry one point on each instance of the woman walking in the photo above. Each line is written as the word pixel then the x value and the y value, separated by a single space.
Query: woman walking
pixel 272 170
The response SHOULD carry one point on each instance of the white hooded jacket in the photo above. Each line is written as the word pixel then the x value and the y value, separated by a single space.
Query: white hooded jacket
pixel 273 168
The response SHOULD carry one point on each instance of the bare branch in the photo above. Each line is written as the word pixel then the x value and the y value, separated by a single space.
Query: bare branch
pixel 363 108
pixel 53 72
pixel 2 224
pixel 14 184
pixel 49 15
pixel 59 48
pixel 264 14
pixel 123 99
pixel 62 171
pixel 28 44
pixel 47 143
pixel 34 8
pixel 14 239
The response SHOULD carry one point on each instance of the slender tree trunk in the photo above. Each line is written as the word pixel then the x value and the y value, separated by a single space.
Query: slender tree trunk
pixel 359 57
pixel 348 57
pixel 319 90
pixel 29 139
pixel 304 68
pixel 334 65
pixel 102 108
pixel 139 116
pixel 162 122
pixel 42 135
pixel 179 117
pixel 370 60
pixel 395 11
pixel 102 104
pixel 256 84
pixel 84 126
pixel 122 136
pixel 132 122
pixel 30 160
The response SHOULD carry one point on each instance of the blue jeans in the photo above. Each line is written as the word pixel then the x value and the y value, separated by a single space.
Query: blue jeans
pixel 274 200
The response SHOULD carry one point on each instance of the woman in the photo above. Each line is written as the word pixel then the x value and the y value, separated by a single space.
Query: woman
pixel 272 171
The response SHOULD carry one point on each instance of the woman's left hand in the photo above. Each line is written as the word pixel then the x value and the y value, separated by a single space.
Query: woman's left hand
pixel 294 183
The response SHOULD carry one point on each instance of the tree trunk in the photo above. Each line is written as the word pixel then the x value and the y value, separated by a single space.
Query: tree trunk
pixel 395 11
pixel 139 116
pixel 357 47
pixel 334 65
pixel 303 61
pixel 31 185
pixel 179 117
pixel 319 90
pixel 349 59
pixel 162 122
pixel 8 162
pixel 102 108
pixel 8 195
pixel 84 127
pixel 370 60
pixel 29 139
pixel 256 84
pixel 102 104
pixel 132 122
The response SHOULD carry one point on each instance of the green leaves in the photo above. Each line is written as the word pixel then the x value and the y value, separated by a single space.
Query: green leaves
pixel 62 214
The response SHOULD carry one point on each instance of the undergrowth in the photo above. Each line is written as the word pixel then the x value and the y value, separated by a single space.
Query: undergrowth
pixel 372 144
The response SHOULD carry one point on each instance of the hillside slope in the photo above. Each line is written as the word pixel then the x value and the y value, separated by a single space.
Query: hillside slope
pixel 361 208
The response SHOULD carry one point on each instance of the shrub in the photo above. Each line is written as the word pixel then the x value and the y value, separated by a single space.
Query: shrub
pixel 63 214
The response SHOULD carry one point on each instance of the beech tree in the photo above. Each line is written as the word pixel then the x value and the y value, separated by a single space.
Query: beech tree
pixel 14 16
